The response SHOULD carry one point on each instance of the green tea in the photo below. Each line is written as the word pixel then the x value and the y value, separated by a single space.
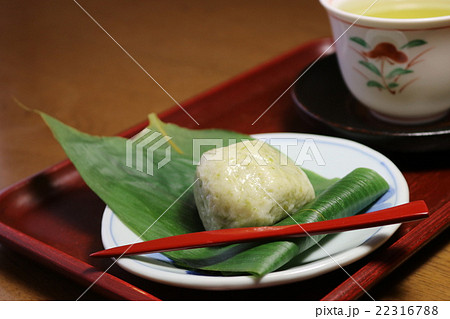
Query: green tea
pixel 397 9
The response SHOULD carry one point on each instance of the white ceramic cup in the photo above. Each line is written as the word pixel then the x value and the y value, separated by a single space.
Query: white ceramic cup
pixel 398 68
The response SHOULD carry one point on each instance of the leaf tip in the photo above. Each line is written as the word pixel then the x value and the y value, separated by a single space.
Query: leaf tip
pixel 23 106
pixel 154 120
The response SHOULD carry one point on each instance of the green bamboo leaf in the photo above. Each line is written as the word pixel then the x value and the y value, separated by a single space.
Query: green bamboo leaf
pixel 376 84
pixel 392 85
pixel 139 199
pixel 414 43
pixel 398 71
pixel 371 67
pixel 355 191
pixel 360 41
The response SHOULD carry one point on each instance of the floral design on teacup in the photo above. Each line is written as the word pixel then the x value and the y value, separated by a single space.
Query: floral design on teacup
pixel 390 63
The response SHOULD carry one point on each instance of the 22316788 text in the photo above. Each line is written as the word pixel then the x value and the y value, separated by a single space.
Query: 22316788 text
pixel 417 311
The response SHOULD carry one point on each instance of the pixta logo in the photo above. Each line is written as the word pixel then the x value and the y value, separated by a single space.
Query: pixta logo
pixel 140 150
pixel 300 151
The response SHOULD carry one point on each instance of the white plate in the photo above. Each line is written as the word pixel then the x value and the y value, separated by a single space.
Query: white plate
pixel 328 156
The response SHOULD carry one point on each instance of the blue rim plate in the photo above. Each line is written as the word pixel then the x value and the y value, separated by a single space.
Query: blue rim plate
pixel 328 156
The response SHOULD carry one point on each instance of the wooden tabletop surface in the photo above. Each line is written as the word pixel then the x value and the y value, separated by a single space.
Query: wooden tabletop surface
pixel 55 58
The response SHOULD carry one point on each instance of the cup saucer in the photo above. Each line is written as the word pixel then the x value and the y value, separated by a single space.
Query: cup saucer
pixel 322 96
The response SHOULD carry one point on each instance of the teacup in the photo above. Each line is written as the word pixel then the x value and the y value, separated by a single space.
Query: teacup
pixel 398 67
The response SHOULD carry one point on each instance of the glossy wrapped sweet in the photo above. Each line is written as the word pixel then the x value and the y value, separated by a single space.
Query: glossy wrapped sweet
pixel 248 184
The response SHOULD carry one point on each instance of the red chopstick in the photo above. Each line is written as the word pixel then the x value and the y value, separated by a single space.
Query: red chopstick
pixel 392 257
pixel 398 214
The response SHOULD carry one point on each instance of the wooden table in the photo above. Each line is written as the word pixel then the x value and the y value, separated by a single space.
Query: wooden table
pixel 53 57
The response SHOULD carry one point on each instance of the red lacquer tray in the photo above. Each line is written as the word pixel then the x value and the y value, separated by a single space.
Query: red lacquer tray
pixel 55 218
